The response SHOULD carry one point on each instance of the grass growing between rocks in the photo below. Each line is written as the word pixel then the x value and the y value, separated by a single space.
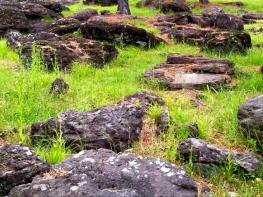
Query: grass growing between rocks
pixel 25 99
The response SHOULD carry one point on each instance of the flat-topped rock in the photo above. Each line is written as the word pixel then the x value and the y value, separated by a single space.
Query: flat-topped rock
pixel 64 49
pixel 190 71
pixel 18 165
pixel 118 33
pixel 208 154
pixel 103 173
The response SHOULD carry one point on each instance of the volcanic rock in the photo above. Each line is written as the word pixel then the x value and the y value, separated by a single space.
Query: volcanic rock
pixel 253 16
pixel 63 49
pixel 207 154
pixel 100 2
pixel 113 127
pixel 59 86
pixel 174 6
pixel 103 173
pixel 119 33
pixel 84 15
pixel 227 42
pixel 18 165
pixel 250 118
pixel 191 71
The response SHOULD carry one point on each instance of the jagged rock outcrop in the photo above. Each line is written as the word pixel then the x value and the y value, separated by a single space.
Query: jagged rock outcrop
pixel 118 33
pixel 203 153
pixel 191 71
pixel 18 165
pixel 104 173
pixel 62 49
pixel 250 118
pixel 114 127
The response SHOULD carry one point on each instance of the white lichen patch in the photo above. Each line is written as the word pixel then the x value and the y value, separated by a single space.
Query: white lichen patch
pixel 27 151
pixel 91 160
pixel 82 183
pixel 125 170
pixel 165 169
pixel 180 172
pixel 159 162
pixel 196 143
pixel 42 187
pixel 74 188
pixel 134 164
pixel 169 174
pixel 79 154
pixel 111 160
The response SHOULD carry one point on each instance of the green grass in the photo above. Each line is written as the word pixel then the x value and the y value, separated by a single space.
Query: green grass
pixel 25 98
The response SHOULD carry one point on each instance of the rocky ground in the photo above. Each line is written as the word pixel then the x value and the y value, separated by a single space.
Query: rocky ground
pixel 164 102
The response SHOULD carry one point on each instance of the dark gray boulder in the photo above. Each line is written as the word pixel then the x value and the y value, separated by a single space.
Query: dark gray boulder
pixel 235 3
pixel 62 49
pixel 21 14
pixel 252 16
pixel 203 153
pixel 114 127
pixel 18 165
pixel 228 22
pixel 59 86
pixel 34 11
pixel 144 99
pixel 84 15
pixel 214 31
pixel 100 2
pixel 118 33
pixel 250 118
pixel 61 26
pixel 11 17
pixel 103 173
pixel 212 11
pixel 162 123
pixel 64 26
pixel 174 6
pixel 227 42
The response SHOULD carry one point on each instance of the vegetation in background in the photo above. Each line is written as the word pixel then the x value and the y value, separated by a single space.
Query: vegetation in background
pixel 25 98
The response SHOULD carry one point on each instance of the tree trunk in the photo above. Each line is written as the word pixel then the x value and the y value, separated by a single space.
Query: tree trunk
pixel 204 1
pixel 123 7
